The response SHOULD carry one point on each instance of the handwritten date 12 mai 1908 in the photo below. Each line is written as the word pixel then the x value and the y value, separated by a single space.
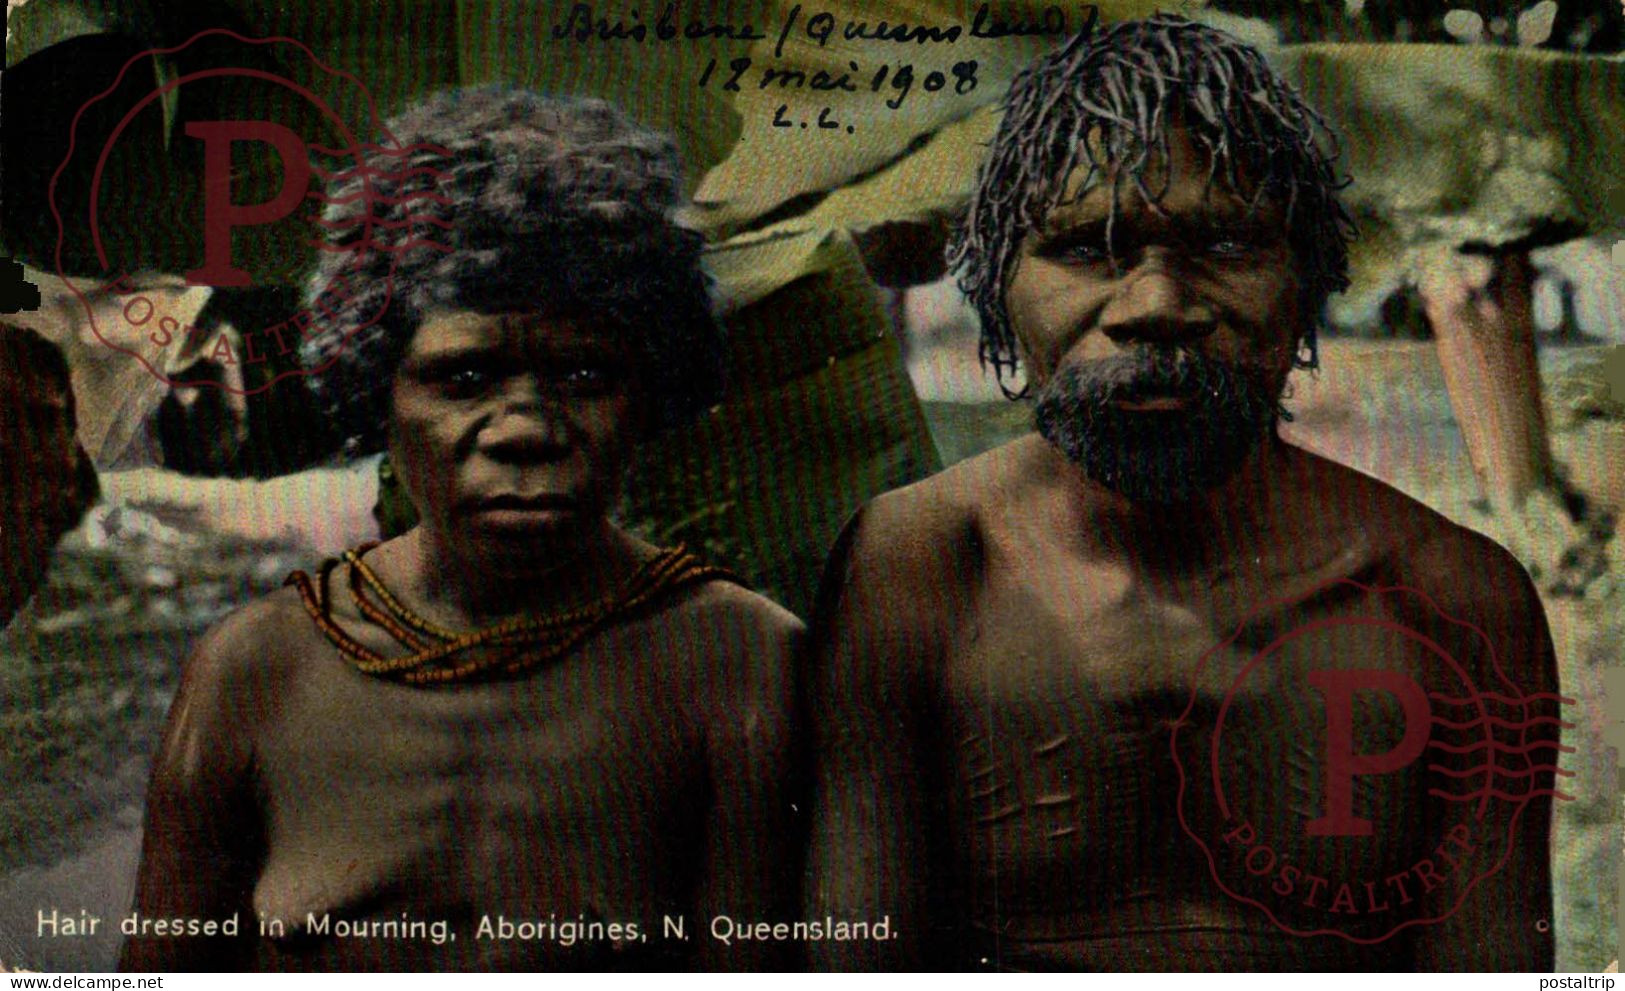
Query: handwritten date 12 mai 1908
pixel 895 81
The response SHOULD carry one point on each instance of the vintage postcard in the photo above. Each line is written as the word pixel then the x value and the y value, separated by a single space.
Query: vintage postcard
pixel 844 486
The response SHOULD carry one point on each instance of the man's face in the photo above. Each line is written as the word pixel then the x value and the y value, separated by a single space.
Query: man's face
pixel 1159 357
pixel 512 433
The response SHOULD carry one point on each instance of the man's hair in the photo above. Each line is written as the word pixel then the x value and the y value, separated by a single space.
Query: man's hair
pixel 497 200
pixel 1108 100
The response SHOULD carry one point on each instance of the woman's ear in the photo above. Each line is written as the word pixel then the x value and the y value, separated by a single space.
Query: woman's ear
pixel 394 510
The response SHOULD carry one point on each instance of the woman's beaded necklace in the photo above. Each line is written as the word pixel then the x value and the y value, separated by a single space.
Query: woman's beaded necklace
pixel 437 656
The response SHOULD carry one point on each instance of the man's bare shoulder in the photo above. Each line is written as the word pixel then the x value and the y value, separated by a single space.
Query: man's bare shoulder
pixel 937 521
pixel 1473 578
pixel 1461 570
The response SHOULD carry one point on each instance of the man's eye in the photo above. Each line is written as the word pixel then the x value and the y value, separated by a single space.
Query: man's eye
pixel 587 379
pixel 1084 252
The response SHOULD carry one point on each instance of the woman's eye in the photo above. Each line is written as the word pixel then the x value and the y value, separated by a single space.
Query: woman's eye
pixel 468 380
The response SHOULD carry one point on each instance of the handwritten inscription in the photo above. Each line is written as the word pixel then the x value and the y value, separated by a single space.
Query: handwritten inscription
pixel 821 28
pixel 896 83
pixel 584 24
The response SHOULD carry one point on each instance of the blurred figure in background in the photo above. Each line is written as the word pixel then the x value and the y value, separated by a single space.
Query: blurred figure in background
pixel 46 479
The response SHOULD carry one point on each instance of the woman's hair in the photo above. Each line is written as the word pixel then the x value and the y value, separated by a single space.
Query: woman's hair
pixel 499 200
pixel 1106 102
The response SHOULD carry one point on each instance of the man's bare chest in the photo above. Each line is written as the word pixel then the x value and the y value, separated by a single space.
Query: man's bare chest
pixel 1098 723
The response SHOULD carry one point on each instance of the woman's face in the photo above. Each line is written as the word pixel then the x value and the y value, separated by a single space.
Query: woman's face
pixel 512 432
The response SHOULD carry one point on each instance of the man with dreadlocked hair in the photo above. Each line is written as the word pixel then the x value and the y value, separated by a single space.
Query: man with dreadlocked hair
pixel 1145 689
pixel 516 736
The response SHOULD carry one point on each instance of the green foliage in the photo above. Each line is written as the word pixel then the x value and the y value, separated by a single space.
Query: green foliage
pixel 812 360
pixel 1575 25
pixel 820 414
pixel 1448 145
pixel 1477 147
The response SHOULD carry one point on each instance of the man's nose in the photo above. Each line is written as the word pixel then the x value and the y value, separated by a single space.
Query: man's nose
pixel 1153 304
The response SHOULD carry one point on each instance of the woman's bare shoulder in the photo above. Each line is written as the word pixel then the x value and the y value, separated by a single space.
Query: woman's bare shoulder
pixel 265 641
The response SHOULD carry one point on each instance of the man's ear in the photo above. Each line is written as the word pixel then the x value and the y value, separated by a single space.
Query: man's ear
pixel 1016 383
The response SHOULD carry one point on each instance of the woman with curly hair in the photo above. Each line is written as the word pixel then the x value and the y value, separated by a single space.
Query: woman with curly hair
pixel 515 736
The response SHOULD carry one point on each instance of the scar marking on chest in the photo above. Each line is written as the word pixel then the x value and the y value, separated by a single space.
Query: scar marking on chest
pixel 989 791
pixel 1050 746
pixel 1054 800
pixel 999 814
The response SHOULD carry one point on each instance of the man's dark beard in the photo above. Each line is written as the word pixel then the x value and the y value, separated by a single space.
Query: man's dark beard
pixel 1160 456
